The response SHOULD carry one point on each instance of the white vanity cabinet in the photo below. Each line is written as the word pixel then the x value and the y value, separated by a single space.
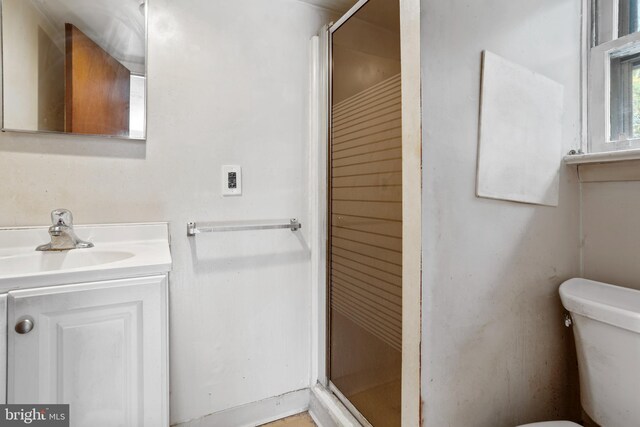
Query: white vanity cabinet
pixel 100 347
pixel 87 326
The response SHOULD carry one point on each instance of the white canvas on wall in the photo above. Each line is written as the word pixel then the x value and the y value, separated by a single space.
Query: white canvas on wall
pixel 520 147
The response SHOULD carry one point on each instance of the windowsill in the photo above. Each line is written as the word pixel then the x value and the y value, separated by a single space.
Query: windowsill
pixel 610 166
pixel 604 157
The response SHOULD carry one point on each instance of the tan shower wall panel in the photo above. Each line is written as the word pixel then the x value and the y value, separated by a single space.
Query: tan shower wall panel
pixel 366 206
pixel 380 210
pixel 386 108
pixel 370 157
pixel 369 271
pixel 390 178
pixel 353 276
pixel 373 147
pixel 374 239
pixel 372 194
pixel 373 293
pixel 372 225
pixel 378 253
pixel 368 124
pixel 359 131
pixel 364 140
pixel 380 92
pixel 367 261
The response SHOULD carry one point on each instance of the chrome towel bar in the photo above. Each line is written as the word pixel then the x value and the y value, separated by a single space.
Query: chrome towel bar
pixel 194 228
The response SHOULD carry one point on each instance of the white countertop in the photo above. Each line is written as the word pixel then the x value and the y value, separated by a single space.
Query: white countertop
pixel 120 251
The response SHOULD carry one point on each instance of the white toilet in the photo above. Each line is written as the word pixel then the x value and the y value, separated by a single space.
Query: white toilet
pixel 552 424
pixel 606 326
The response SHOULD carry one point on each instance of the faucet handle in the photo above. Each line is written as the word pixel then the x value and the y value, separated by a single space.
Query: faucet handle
pixel 62 217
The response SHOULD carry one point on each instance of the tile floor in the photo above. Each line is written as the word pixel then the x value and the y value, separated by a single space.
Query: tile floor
pixel 300 420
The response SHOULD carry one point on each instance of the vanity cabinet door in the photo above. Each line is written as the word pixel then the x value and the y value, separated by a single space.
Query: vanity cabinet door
pixel 100 347
pixel 3 347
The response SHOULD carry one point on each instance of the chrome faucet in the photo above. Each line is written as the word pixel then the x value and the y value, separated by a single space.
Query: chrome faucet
pixel 63 238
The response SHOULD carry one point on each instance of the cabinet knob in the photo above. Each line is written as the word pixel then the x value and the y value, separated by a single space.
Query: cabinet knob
pixel 24 326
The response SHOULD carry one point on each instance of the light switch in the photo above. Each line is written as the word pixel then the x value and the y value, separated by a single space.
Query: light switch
pixel 231 180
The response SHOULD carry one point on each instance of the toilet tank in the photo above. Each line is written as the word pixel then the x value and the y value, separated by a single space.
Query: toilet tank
pixel 606 326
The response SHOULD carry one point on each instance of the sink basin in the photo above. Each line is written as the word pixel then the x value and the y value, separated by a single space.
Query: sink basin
pixel 36 262
pixel 120 251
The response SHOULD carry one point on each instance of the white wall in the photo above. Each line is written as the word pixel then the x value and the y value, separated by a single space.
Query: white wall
pixel 495 353
pixel 228 84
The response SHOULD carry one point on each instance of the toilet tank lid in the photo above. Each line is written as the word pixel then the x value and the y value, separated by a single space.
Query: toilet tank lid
pixel 606 303
pixel 552 424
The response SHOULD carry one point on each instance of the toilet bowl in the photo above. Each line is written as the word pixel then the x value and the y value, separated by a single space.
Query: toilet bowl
pixel 606 328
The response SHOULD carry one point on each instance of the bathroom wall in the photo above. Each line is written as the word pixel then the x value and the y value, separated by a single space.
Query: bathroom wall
pixel 611 232
pixel 227 85
pixel 495 352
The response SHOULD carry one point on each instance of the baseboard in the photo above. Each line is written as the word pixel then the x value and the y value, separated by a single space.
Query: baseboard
pixel 256 413
pixel 327 411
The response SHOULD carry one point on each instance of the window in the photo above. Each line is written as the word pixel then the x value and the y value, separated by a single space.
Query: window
pixel 614 76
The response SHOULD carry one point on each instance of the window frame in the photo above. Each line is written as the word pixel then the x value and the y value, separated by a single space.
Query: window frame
pixel 604 24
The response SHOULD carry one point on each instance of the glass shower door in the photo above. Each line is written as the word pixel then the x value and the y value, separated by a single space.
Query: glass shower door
pixel 365 213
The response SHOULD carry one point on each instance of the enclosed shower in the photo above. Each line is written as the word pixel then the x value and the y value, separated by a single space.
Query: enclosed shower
pixel 364 352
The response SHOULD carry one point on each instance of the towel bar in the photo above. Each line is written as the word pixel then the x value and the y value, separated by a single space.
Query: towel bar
pixel 194 228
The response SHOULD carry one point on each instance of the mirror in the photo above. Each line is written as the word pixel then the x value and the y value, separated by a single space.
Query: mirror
pixel 74 66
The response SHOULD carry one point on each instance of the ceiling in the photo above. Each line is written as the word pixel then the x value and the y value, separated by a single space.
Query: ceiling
pixel 340 6
pixel 118 26
pixel 382 13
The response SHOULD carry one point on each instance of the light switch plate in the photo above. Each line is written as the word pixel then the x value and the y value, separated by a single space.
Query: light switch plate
pixel 231 180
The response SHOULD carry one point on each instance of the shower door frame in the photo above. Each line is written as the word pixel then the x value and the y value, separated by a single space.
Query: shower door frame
pixel 411 208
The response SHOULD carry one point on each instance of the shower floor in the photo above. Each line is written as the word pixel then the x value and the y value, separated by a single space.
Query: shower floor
pixel 300 420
